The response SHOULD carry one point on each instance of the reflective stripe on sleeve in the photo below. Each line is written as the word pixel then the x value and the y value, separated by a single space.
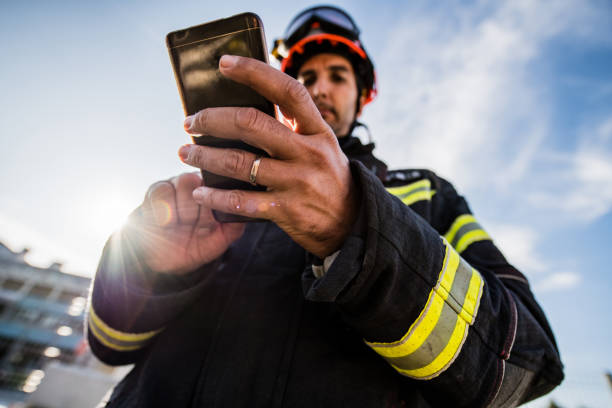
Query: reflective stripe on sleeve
pixel 435 339
pixel 411 193
pixel 115 339
pixel 464 232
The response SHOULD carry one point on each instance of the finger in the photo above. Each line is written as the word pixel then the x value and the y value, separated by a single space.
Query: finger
pixel 237 164
pixel 160 204
pixel 187 210
pixel 278 87
pixel 206 223
pixel 250 125
pixel 253 204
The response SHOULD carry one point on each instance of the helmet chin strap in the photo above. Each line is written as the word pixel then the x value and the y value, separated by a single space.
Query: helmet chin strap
pixel 357 124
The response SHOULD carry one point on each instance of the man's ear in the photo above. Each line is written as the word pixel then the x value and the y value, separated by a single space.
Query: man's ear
pixel 362 99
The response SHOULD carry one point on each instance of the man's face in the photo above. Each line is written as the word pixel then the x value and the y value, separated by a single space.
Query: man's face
pixel 330 80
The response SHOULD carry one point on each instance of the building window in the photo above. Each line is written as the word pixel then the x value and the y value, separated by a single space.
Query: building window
pixel 5 347
pixel 52 352
pixel 12 284
pixel 77 306
pixel 49 321
pixel 30 356
pixel 41 291
pixel 66 296
pixel 28 315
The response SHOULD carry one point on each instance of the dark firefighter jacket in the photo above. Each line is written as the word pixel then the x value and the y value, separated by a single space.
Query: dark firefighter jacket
pixel 419 309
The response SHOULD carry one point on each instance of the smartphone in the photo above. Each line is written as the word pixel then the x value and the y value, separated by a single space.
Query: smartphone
pixel 195 53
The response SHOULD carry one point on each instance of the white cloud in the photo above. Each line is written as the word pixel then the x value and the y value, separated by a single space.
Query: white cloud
pixel 519 245
pixel 457 96
pixel 558 281
pixel 454 86
pixel 583 189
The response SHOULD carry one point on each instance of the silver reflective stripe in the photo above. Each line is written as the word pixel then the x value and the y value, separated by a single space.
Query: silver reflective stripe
pixel 461 283
pixel 433 346
pixel 436 337
pixel 472 226
pixel 441 334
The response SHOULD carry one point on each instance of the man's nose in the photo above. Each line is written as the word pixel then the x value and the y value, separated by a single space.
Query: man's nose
pixel 320 89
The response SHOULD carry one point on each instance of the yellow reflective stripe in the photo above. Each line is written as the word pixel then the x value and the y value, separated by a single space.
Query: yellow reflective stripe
pixel 471 237
pixel 447 275
pixel 445 358
pixel 418 332
pixel 402 190
pixel 423 325
pixel 459 222
pixel 419 196
pixel 100 337
pixel 472 297
pixel 428 318
pixel 411 193
pixel 116 334
pixel 464 231
pixel 459 287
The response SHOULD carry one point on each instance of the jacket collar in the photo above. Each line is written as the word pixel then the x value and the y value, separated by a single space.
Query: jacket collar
pixel 355 150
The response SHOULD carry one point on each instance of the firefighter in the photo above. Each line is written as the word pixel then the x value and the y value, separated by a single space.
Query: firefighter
pixel 364 287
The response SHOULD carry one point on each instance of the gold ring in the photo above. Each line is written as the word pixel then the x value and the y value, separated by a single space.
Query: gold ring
pixel 254 169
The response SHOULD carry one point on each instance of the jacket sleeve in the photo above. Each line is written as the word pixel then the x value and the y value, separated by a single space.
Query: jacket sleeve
pixel 130 304
pixel 459 320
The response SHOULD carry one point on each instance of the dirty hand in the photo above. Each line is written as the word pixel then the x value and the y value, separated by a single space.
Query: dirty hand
pixel 310 191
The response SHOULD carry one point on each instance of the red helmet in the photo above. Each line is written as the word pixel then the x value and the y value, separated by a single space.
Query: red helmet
pixel 325 29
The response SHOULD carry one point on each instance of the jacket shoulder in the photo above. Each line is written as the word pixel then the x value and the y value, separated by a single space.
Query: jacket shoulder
pixel 400 177
pixel 406 177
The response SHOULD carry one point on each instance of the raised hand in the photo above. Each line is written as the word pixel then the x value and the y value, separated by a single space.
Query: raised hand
pixel 311 194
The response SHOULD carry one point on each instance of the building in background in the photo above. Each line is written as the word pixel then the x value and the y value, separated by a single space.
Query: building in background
pixel 44 357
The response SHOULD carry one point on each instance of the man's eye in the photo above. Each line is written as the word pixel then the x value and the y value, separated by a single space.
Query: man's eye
pixel 308 81
pixel 337 78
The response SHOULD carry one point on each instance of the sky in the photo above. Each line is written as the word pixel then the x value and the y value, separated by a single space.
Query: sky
pixel 509 100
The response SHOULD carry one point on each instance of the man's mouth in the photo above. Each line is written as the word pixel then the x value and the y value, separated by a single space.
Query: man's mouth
pixel 326 110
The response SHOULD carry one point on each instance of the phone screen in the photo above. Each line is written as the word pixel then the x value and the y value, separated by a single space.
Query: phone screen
pixel 203 85
pixel 195 53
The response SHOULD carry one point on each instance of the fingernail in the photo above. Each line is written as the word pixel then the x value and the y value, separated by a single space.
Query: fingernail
pixel 188 122
pixel 184 152
pixel 198 193
pixel 228 61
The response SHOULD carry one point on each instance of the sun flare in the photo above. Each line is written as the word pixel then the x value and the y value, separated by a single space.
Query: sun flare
pixel 110 213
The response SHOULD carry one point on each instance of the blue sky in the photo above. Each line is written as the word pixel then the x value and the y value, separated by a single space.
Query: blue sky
pixel 511 101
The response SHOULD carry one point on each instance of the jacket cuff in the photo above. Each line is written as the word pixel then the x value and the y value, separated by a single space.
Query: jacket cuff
pixel 347 264
pixel 321 268
pixel 130 303
pixel 398 282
